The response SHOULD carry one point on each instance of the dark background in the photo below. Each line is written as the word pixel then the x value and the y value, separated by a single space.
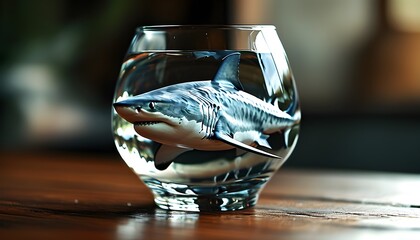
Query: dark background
pixel 356 64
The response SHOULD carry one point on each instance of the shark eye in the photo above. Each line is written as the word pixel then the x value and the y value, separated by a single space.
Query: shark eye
pixel 152 105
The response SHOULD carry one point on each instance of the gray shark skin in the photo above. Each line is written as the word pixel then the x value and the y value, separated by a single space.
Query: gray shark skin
pixel 208 115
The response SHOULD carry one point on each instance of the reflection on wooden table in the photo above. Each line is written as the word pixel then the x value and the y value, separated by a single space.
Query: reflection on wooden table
pixel 82 196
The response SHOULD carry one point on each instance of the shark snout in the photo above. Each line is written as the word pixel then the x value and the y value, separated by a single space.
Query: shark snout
pixel 127 111
pixel 135 112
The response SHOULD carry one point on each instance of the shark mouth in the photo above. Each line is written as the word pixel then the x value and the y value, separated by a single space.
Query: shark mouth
pixel 146 123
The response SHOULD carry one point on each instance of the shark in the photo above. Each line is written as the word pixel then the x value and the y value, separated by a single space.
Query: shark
pixel 209 115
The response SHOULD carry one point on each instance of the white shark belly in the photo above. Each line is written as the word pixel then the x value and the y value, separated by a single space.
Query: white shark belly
pixel 185 134
pixel 204 139
pixel 196 135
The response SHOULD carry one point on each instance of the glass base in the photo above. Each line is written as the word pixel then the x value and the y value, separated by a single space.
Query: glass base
pixel 228 197
pixel 206 203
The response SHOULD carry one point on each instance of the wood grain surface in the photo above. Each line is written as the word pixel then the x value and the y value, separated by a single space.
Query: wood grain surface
pixel 71 196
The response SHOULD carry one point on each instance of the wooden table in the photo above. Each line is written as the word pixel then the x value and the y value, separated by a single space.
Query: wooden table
pixel 56 196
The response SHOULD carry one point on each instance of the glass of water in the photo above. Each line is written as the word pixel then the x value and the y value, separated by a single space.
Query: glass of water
pixel 205 115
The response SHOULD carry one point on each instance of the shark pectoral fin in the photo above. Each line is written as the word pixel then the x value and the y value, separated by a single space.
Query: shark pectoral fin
pixel 263 141
pixel 229 140
pixel 166 154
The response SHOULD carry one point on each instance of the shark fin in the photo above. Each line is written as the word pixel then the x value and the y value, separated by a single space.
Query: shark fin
pixel 263 141
pixel 229 140
pixel 166 154
pixel 228 73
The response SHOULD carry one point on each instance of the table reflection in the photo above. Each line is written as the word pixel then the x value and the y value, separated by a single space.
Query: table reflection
pixel 139 224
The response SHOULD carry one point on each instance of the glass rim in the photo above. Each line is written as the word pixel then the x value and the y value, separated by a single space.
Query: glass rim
pixel 195 27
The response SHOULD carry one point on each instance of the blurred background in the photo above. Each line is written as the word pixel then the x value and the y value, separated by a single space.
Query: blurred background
pixel 356 64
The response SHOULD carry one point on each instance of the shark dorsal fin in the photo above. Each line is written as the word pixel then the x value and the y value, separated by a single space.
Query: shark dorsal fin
pixel 228 73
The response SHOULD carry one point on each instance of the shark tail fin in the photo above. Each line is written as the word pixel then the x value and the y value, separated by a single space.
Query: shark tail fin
pixel 293 115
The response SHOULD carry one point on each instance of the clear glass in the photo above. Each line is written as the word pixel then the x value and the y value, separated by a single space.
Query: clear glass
pixel 205 115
